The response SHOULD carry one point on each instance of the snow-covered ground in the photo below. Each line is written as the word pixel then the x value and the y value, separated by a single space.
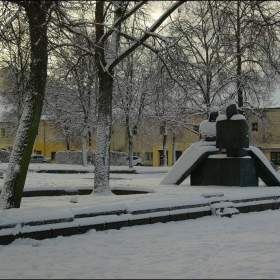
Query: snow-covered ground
pixel 244 246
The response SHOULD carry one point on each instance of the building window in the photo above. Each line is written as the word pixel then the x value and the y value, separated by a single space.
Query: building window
pixel 38 152
pixel 255 126
pixel 275 157
pixel 134 130
pixel 149 156
pixel 3 132
pixel 53 155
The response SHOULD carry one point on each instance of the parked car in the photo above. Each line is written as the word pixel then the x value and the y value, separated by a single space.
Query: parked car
pixel 135 161
pixel 275 167
pixel 39 159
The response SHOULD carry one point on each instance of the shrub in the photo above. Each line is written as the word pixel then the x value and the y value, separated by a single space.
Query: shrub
pixel 4 156
pixel 76 157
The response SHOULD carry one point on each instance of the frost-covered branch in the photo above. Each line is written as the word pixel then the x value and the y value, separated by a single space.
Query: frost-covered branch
pixel 120 20
pixel 141 40
pixel 4 28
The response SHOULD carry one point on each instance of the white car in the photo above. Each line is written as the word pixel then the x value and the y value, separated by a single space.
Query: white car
pixel 39 159
pixel 135 161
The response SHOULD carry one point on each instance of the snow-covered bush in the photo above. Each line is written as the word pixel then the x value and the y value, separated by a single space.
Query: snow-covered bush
pixel 4 156
pixel 75 157
pixel 118 158
pixel 69 157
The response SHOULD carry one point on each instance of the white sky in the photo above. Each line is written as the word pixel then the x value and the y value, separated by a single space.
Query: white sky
pixel 155 7
pixel 245 246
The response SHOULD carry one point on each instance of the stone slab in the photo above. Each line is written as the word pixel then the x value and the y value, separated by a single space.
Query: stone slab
pixel 226 171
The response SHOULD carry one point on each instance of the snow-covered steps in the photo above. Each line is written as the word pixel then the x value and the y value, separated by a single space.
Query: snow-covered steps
pixel 16 223
pixel 13 217
pixel 223 209
pixel 258 205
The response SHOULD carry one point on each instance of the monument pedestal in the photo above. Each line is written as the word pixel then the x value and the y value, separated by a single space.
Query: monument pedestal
pixel 226 171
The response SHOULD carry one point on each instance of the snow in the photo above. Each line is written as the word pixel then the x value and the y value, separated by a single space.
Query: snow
pixel 243 246
pixel 214 109
pixel 233 118
pixel 207 128
pixel 187 159
pixel 237 117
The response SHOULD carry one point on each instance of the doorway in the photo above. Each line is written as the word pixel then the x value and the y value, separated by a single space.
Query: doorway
pixel 161 157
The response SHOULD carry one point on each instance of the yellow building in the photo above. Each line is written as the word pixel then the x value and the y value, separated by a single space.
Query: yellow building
pixel 6 141
pixel 265 134
pixel 147 142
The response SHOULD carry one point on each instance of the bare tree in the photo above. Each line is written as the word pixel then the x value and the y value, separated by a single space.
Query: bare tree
pixel 15 58
pixel 37 13
pixel 79 74
pixel 106 57
pixel 133 93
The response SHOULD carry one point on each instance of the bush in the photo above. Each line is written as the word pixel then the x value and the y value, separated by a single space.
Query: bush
pixel 76 157
pixel 4 156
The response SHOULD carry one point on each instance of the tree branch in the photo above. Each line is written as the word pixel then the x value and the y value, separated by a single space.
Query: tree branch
pixel 147 34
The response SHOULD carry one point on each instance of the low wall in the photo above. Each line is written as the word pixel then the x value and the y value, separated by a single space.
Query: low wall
pixel 76 157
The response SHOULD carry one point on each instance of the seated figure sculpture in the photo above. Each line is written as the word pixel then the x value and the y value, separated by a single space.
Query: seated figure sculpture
pixel 232 132
pixel 207 128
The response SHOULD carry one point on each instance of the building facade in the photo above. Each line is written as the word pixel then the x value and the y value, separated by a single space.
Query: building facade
pixel 264 133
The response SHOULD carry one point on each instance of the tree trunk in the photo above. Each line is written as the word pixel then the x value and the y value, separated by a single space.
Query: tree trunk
pixel 84 150
pixel 130 143
pixel 173 148
pixel 84 141
pixel 89 156
pixel 30 119
pixel 102 152
pixel 239 58
pixel 164 145
pixel 104 120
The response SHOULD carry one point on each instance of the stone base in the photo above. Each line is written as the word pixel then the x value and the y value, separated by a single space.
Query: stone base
pixel 227 171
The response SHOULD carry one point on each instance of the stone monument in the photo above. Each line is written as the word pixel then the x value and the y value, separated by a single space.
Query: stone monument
pixel 236 168
pixel 223 155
